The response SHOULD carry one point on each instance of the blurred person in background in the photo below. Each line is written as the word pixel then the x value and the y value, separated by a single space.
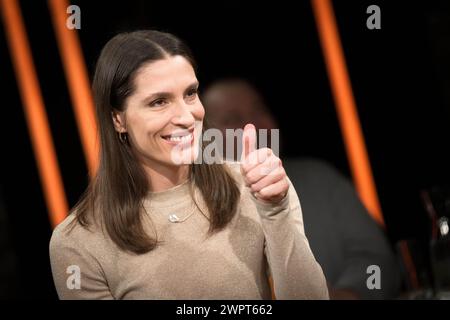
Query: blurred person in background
pixel 342 235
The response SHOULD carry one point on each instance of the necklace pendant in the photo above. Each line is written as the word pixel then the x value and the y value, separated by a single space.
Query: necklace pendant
pixel 173 218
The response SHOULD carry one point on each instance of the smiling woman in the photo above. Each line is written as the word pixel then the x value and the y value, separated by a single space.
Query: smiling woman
pixel 149 227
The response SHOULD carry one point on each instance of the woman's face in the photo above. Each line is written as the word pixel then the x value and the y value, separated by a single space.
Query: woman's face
pixel 164 115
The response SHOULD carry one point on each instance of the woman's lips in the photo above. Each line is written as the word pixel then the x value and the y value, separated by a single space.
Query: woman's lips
pixel 177 139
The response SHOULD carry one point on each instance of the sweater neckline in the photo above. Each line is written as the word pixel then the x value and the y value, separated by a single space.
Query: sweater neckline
pixel 170 197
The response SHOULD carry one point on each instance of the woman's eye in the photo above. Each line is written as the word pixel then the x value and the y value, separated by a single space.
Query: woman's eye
pixel 192 93
pixel 158 103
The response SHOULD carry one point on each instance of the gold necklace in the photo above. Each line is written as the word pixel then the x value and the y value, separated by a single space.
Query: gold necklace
pixel 174 218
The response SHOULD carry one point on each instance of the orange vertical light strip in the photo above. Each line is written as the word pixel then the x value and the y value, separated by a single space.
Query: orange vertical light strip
pixel 272 288
pixel 346 107
pixel 35 113
pixel 78 81
pixel 409 265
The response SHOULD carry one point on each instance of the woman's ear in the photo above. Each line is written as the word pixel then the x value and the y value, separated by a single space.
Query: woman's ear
pixel 119 121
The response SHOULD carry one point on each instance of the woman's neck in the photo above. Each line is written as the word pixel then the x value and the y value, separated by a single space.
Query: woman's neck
pixel 163 177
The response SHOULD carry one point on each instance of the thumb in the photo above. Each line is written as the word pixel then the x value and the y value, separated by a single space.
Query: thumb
pixel 248 140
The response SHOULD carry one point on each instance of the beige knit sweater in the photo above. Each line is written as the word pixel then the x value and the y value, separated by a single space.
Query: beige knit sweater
pixel 232 264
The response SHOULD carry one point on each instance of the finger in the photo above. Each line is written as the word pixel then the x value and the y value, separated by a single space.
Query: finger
pixel 248 140
pixel 275 176
pixel 255 158
pixel 277 190
pixel 262 170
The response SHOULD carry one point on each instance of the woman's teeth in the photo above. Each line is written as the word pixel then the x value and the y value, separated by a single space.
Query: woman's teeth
pixel 181 139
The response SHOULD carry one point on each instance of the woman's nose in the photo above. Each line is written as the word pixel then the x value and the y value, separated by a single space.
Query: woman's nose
pixel 182 115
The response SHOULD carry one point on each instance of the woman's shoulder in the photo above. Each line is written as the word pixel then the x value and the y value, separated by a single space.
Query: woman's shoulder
pixel 70 233
pixel 234 167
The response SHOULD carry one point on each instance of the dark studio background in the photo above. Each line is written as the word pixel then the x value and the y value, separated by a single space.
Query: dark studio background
pixel 400 77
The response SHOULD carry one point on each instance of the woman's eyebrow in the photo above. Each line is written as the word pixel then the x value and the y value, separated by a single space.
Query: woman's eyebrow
pixel 163 94
pixel 193 85
pixel 156 95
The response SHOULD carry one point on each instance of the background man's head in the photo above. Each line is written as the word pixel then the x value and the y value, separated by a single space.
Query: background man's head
pixel 232 103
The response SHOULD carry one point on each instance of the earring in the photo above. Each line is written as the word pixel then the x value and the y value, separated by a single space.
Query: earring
pixel 123 137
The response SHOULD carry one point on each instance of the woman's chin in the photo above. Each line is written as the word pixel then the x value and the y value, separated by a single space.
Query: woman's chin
pixel 183 156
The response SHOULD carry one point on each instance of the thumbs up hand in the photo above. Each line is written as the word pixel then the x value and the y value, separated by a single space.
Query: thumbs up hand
pixel 262 170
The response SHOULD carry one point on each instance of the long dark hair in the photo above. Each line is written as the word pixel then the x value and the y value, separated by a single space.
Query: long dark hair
pixel 120 184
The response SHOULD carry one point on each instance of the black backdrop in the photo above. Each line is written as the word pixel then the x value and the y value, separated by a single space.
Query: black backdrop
pixel 400 77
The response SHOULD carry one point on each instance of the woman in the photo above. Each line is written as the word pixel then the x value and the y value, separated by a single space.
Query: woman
pixel 153 227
